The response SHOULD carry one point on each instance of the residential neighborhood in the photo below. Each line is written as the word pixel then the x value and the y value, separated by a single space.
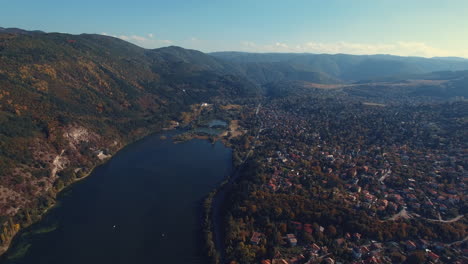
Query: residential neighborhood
pixel 354 183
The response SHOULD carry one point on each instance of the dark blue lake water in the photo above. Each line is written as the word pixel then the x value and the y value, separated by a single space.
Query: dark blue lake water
pixel 143 206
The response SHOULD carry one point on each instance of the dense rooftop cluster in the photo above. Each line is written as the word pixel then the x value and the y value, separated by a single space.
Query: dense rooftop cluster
pixel 342 181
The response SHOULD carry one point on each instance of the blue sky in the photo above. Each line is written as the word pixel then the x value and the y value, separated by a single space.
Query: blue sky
pixel 410 27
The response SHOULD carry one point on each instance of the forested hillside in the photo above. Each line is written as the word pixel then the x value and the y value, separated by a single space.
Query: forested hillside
pixel 69 101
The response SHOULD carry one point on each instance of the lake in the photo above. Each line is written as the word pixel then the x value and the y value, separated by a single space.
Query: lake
pixel 143 206
pixel 213 127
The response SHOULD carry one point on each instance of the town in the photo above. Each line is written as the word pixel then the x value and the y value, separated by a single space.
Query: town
pixel 341 181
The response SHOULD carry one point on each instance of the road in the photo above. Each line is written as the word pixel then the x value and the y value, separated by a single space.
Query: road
pixel 445 221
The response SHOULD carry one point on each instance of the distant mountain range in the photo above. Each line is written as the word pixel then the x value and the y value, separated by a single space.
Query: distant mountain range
pixel 263 68
pixel 325 68
pixel 61 73
pixel 20 31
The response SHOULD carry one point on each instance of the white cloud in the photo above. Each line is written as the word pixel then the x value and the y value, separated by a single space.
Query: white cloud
pixel 248 44
pixel 401 48
pixel 148 41
pixel 135 38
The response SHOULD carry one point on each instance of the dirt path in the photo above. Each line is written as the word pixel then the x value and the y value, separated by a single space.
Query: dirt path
pixel 458 242
pixel 455 219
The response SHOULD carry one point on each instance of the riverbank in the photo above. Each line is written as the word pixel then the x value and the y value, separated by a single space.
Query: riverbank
pixel 212 217
pixel 152 192
pixel 6 245
pixel 214 203
pixel 222 136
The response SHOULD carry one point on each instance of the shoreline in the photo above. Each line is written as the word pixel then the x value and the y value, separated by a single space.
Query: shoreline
pixel 163 133
pixel 5 248
pixel 217 200
pixel 7 245
pixel 214 205
pixel 167 134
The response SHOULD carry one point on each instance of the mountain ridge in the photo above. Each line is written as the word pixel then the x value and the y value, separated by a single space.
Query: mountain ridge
pixel 347 67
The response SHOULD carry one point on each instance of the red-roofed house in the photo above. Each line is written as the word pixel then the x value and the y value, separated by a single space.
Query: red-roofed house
pixel 256 237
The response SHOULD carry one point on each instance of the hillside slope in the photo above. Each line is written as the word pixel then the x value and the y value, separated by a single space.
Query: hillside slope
pixel 68 101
